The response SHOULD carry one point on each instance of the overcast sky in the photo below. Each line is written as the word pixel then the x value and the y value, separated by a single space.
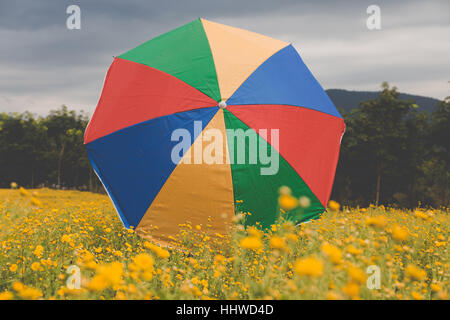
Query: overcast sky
pixel 44 65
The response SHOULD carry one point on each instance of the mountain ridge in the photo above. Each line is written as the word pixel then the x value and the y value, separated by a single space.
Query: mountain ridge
pixel 350 99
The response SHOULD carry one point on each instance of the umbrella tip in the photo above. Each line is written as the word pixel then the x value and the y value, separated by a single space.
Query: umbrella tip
pixel 222 104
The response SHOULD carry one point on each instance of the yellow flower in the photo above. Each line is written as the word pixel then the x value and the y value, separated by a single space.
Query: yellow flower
pixel 13 185
pixel 399 233
pixel 252 243
pixel 421 214
pixel 160 252
pixel 219 259
pixel 353 250
pixel 379 221
pixel 23 192
pixel 310 266
pixel 143 261
pixel 142 266
pixel 36 202
pixel 333 253
pixel 97 283
pixel 416 295
pixel 30 293
pixel 108 275
pixel 35 266
pixel 13 268
pixel 333 205
pixel 66 238
pixel 287 202
pixel 254 232
pixel 292 237
pixel 356 274
pixel 277 242
pixel 351 289
pixel 333 296
pixel 415 273
pixel 442 295
pixel 38 251
pixel 120 296
pixel 18 286
pixel 6 295
pixel 435 287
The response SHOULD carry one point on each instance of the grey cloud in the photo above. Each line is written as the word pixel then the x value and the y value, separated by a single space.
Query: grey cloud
pixel 44 65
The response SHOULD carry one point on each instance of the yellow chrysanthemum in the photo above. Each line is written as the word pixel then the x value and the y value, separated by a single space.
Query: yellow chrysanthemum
pixel 334 205
pixel 35 266
pixel 351 289
pixel 18 286
pixel 38 251
pixel 108 275
pixel 415 272
pixel 399 233
pixel 421 215
pixel 254 232
pixel 23 192
pixel 251 243
pixel 277 242
pixel 160 252
pixel 143 261
pixel 287 202
pixel 356 274
pixel 416 295
pixel 6 295
pixel 333 252
pixel 30 293
pixel 379 221
pixel 36 202
pixel 310 266
pixel 66 238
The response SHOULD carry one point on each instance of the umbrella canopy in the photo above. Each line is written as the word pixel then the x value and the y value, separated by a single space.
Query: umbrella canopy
pixel 171 137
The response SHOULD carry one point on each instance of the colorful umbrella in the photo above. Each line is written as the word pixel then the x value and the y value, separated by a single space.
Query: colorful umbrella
pixel 171 137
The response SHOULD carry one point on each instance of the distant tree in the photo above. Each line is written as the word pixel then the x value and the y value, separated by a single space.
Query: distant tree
pixel 44 150
pixel 417 150
pixel 436 168
pixel 65 133
pixel 376 139
pixel 22 148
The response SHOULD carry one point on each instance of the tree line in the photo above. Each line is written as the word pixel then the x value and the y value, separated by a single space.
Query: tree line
pixel 45 151
pixel 391 152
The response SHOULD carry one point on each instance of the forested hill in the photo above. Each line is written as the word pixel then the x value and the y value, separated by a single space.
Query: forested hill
pixel 348 100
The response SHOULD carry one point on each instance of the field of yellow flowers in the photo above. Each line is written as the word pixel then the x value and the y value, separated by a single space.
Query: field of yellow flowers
pixel 46 235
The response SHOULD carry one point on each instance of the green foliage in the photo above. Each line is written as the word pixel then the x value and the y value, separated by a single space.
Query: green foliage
pixel 393 153
pixel 44 151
